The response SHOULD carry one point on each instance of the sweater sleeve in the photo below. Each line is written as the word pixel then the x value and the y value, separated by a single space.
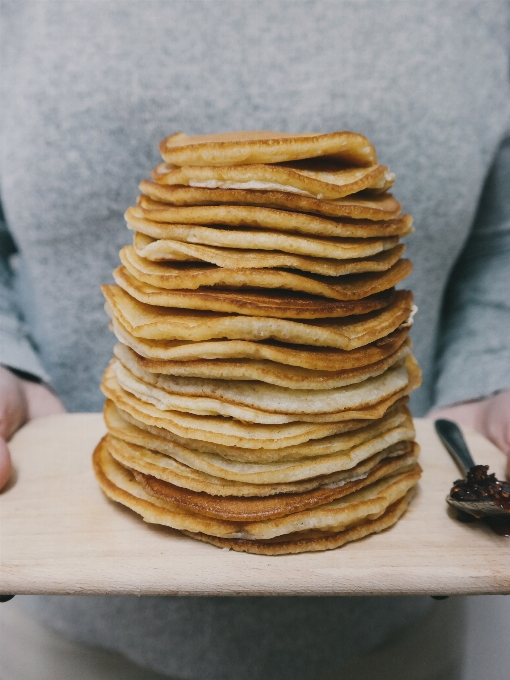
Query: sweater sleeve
pixel 474 342
pixel 16 348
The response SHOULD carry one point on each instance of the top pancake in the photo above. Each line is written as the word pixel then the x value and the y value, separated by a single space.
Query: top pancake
pixel 262 146
pixel 359 206
pixel 316 178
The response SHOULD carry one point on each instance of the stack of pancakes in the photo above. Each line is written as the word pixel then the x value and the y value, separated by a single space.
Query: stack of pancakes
pixel 257 399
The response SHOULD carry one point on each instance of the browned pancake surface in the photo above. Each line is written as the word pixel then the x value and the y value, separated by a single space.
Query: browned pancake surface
pixel 265 371
pixel 263 146
pixel 316 177
pixel 165 250
pixel 119 485
pixel 244 509
pixel 311 542
pixel 281 305
pixel 204 277
pixel 242 216
pixel 361 207
pixel 159 323
pixel 324 362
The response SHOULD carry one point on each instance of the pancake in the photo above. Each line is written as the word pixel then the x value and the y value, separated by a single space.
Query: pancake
pixel 370 501
pixel 156 323
pixel 231 432
pixel 193 276
pixel 360 207
pixel 119 484
pixel 126 425
pixel 352 401
pixel 261 302
pixel 261 146
pixel 315 177
pixel 230 258
pixel 204 396
pixel 264 371
pixel 242 216
pixel 167 468
pixel 254 509
pixel 354 433
pixel 315 472
pixel 213 429
pixel 313 542
pixel 171 470
pixel 175 274
pixel 244 237
pixel 257 398
pixel 291 479
pixel 330 362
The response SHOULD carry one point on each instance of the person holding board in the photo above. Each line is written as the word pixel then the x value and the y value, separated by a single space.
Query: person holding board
pixel 89 88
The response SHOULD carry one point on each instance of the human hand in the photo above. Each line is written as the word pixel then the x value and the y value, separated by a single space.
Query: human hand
pixel 490 417
pixel 20 401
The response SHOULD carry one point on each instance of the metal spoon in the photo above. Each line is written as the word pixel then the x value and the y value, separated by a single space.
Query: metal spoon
pixel 482 495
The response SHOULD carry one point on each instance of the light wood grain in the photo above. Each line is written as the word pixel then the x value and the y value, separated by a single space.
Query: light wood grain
pixel 59 534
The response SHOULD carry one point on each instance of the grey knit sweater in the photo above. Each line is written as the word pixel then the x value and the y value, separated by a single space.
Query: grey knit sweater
pixel 90 87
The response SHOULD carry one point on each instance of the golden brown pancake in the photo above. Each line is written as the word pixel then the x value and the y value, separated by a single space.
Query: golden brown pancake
pixel 173 460
pixel 186 356
pixel 119 485
pixel 314 177
pixel 256 399
pixel 228 235
pixel 264 371
pixel 176 251
pixel 372 501
pixel 231 432
pixel 256 508
pixel 157 323
pixel 358 206
pixel 257 396
pixel 262 146
pixel 253 302
pixel 254 435
pixel 194 276
pixel 312 542
pixel 242 216
pixel 347 442
pixel 296 477
pixel 224 431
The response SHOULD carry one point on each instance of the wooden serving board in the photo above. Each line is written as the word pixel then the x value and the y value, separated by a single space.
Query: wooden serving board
pixel 60 535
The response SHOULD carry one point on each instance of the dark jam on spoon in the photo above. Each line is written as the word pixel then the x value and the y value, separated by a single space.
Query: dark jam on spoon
pixel 479 487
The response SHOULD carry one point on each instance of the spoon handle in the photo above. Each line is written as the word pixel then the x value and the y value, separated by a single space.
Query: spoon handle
pixel 451 436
